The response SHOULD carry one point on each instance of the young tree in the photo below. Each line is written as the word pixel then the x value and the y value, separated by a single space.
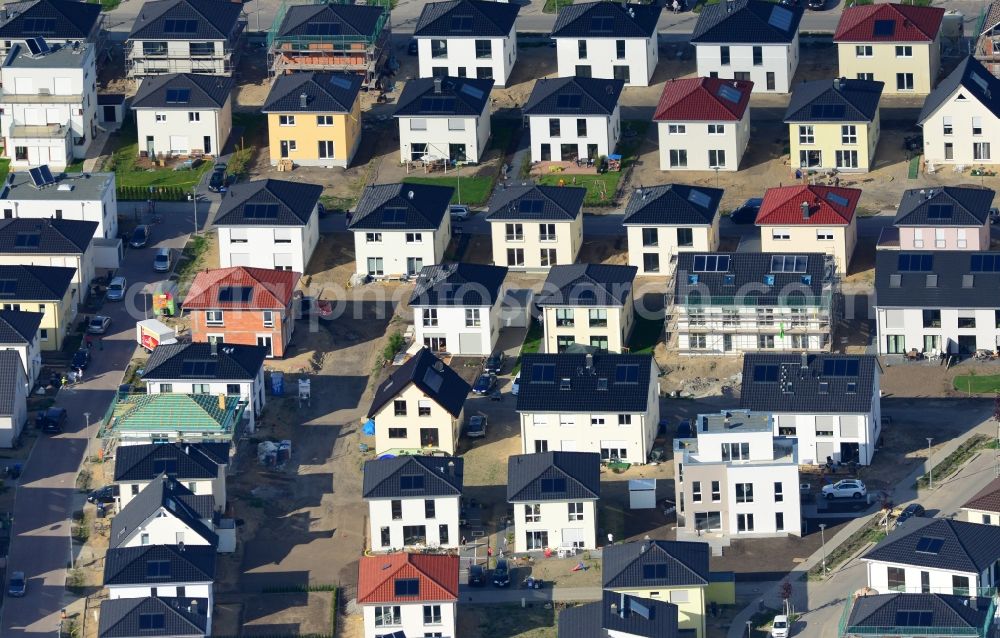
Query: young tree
pixel 786 597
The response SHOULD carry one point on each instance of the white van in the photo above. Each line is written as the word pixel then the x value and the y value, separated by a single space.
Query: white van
pixel 161 263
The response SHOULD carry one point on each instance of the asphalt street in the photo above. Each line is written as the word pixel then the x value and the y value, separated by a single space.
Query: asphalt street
pixel 46 496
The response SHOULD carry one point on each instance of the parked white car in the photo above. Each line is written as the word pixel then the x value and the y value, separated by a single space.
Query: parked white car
pixel 847 488
pixel 779 627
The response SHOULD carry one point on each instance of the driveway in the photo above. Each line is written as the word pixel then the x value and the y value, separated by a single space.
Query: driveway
pixel 46 495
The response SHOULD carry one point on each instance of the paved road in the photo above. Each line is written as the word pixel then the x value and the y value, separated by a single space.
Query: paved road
pixel 514 595
pixel 46 495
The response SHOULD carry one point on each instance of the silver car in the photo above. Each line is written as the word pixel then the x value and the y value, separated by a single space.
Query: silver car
pixel 116 289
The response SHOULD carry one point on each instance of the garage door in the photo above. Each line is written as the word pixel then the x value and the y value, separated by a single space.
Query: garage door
pixel 572 537
pixel 470 343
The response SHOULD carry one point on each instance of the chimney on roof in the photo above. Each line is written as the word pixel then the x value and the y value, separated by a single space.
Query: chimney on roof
pixel 437 86
pixel 303 100
pixel 837 83
pixel 193 607
pixel 438 365
pixel 805 210
pixel 409 194
pixel 222 401
pixel 213 347
pixel 804 365
pixel 590 362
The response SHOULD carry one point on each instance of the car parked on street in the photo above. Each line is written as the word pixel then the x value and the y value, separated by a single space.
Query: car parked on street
pixel 18 585
pixel 477 576
pixel 501 573
pixel 219 181
pixel 913 510
pixel 106 494
pixel 475 427
pixel 484 384
pixel 846 488
pixel 81 359
pixel 458 212
pixel 98 324
pixel 52 421
pixel 494 363
pixel 161 262
pixel 779 627
pixel 116 289
pixel 140 237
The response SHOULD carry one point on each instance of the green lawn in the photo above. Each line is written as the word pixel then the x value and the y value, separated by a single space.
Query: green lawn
pixel 914 170
pixel 645 334
pixel 553 6
pixel 532 342
pixel 75 167
pixel 977 384
pixel 474 190
pixel 4 168
pixel 123 163
pixel 106 5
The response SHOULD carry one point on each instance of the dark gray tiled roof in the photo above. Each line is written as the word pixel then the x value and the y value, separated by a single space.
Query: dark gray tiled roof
pixel 187 461
pixel 964 206
pixel 214 20
pixel 451 19
pixel 131 565
pixel 444 97
pixel 424 207
pixel 607 20
pixel 437 380
pixel 46 236
pixel 74 20
pixel 18 326
pixel 812 391
pixel 458 284
pixel 578 472
pixel 325 93
pixel 747 22
pixel 748 272
pixel 964 547
pixel 971 76
pixel 620 613
pixel 124 617
pixel 442 476
pixel 161 492
pixel 839 100
pixel 11 388
pixel 587 285
pixel 205 91
pixel 586 392
pixel 229 362
pixel 596 96
pixel 354 19
pixel 672 205
pixel 952 282
pixel 558 203
pixel 36 283
pixel 296 202
pixel 986 499
pixel 884 611
pixel 686 564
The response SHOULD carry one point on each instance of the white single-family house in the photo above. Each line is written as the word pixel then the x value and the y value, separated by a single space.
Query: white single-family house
pixel 185 36
pixel 19 332
pixel 573 119
pixel 408 594
pixel 183 114
pixel 51 242
pixel 467 38
pixel 534 227
pixel 444 118
pixel 588 304
pixel 200 467
pixel 162 571
pixel 13 398
pixel 961 117
pixel 456 308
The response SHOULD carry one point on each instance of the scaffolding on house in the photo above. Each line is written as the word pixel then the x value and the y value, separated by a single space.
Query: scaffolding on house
pixel 141 63
pixel 987 41
pixel 816 318
pixel 346 53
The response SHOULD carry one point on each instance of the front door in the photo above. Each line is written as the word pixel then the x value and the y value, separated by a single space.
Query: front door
pixel 429 437
pixel 966 344
pixel 284 148
pixel 150 149
pixel 267 343
pixel 110 114
pixel 208 144
pixel 546 152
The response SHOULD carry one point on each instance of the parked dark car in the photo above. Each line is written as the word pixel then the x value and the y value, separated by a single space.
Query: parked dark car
pixel 477 576
pixel 52 421
pixel 140 237
pixel 218 181
pixel 411 48
pixel 501 573
pixel 747 212
pixel 104 494
pixel 81 359
pixel 494 363
pixel 476 426
pixel 816 5
pixel 18 585
pixel 484 384
pixel 913 510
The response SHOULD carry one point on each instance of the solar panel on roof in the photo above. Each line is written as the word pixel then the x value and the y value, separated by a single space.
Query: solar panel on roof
pixel 180 26
pixel 394 215
pixel 698 198
pixel 324 28
pixel 915 263
pixel 33 47
pixel 530 206
pixel 550 485
pixel 543 373
pixel 474 92
pixel 601 24
pixel 939 211
pixel 198 368
pixel 8 288
pixel 827 111
pixel 230 294
pixel 841 367
pixel 407 586
pixel 569 101
pixel 914 619
pixel 627 373
pixel 411 482
pixel 765 373
pixel 711 263
pixel 788 263
pixel 884 28
pixel 178 96
pixel 260 211
pixel 152 621
pixel 730 93
pixel 437 104
pixel 46 172
pixel 929 545
pixel 32 26
pixel 341 82
pixel 36 176
pixel 461 23
pixel 986 262
pixel 980 81
pixel 27 240
pixel 836 199
pixel 781 18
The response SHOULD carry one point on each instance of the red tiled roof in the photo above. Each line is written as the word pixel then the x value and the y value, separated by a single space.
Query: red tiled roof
pixel 272 289
pixel 698 99
pixel 436 573
pixel 912 23
pixel 784 205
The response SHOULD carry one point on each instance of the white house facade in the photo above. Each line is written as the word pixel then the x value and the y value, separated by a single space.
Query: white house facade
pixel 183 115
pixel 13 398
pixel 468 38
pixel 87 197
pixel 408 594
pixel 444 118
pixel 959 118
pixel 573 118
pixel 459 303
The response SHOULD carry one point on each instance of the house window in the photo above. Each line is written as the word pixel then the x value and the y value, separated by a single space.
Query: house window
pixel 624 419
pixel 563 342
pixel 597 421
pixel 779 492
pixel 286 120
pixel 414 238
pixel 620 49
pixel 598 317
pixel 430 317
pixel 904 81
pixel 977 125
pixel 399 407
pixel 932 318
pixel 966 320
pixel 904 51
pixel 896 579
pixel 532 513
pixel 456 124
pixel 575 511
pixel 806 134
pixel 418 124
pixel 414 535
pixel 429 509
pixel 960 585
pixel 548 257
pixel 432 614
pixel 735 451
pixel 863 50
pixel 981 151
pixel 439 48
pixel 678 158
pixel 472 318
pixel 650 237
pixel 651 262
pixel 866 76
pixel 166 388
pixel 160 117
pixel 484 49
pixel 152 48
pixel 780 234
pixel 397 433
pixel 779 521
pixel 581 49
pixel 848 134
pixel 515 256
pixel 765 342
pixel 267 316
pixel 847 159
pixel 758 56
pixel 194 116
pixel 744 522
pixel 696 491
pixel 716 158
pixel 716 129
pixel 423 407
pixel 676 129
pixel 213 317
pixel 824 234
pixel 769 80
pixel 373 238
pixel 324 120
pixel 513 232
pixel 397 510
pixel 610 453
pixel 946 125
pixel 325 148
pixel 553 127
pixel 387 616
pixel 546 232
pixel 765 316
pixel 564 317
pixel 724 55
pixel 581 127
pixel 697 342
pixel 716 492
pixel 744 492
pixel 375 267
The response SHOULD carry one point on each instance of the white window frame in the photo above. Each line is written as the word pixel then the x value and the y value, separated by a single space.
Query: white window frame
pixel 848 134
pixel 780 234
pixel 807 134
pixel 676 129
pixel 716 129
pixel 904 51
pixel 214 318
pixel 286 120
pixel 824 234
pixel 863 51
pixel 472 319
pixel 429 318
pixel 268 318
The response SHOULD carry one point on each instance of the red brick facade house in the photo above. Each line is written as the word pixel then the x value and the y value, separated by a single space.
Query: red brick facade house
pixel 251 306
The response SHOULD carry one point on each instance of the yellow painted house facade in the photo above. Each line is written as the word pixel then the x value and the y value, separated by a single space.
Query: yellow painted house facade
pixel 314 119
pixel 834 125
pixel 46 289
